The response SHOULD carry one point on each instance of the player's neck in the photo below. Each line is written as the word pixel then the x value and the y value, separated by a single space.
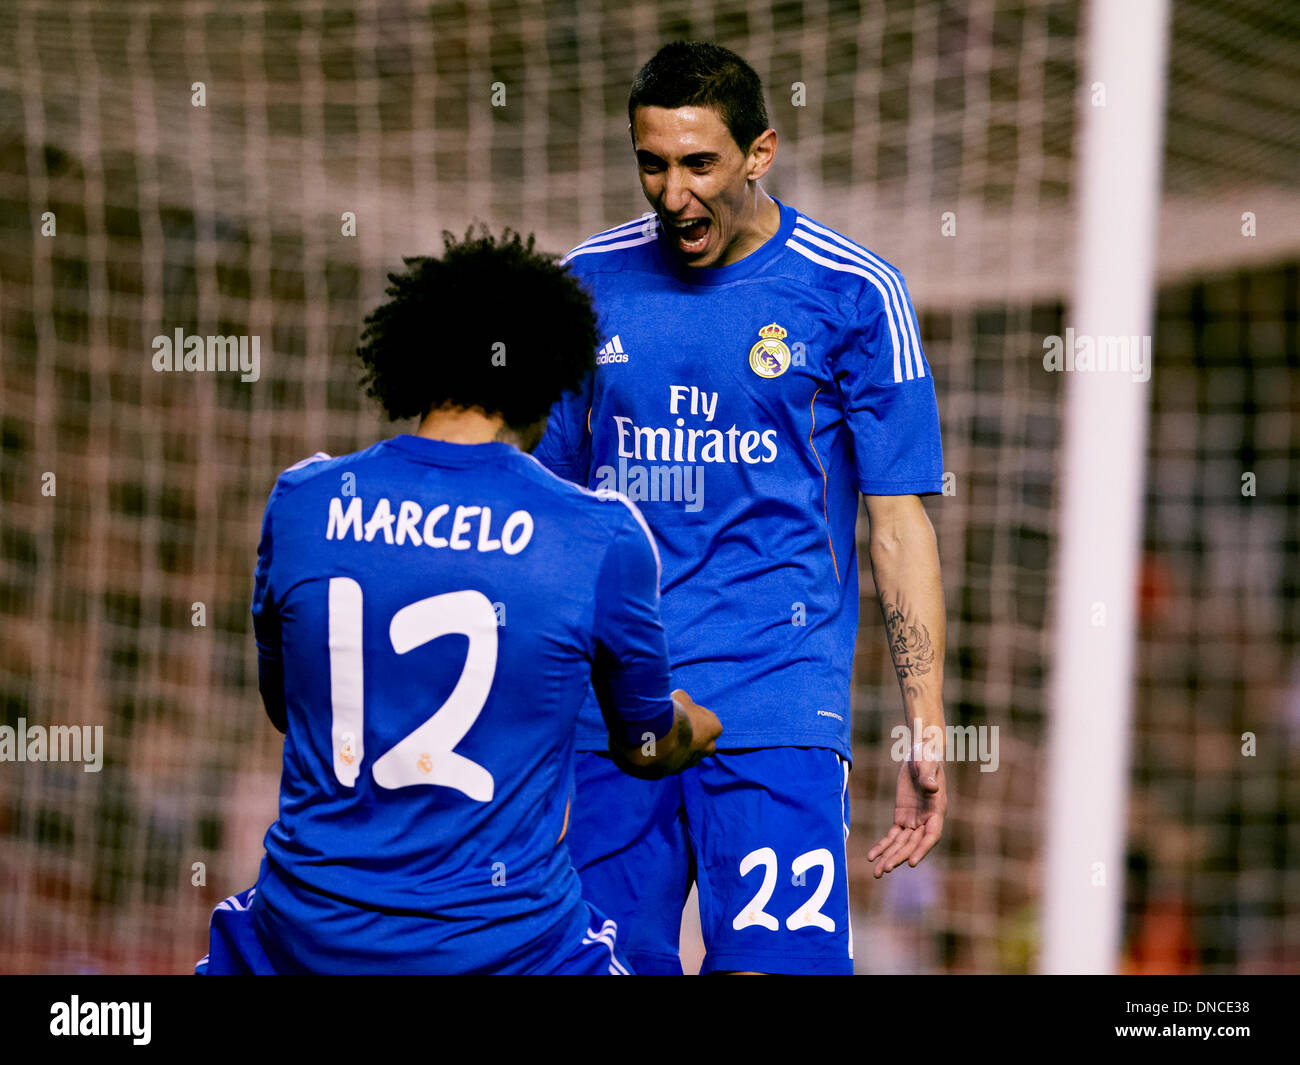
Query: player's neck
pixel 465 425
pixel 764 223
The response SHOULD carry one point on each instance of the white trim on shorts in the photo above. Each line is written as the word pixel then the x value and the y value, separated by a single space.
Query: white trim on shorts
pixel 844 819
pixel 608 935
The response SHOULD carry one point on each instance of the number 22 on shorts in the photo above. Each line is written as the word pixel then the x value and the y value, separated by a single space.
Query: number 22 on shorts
pixel 806 916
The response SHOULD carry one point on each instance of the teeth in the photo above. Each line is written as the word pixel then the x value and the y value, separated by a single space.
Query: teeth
pixel 689 242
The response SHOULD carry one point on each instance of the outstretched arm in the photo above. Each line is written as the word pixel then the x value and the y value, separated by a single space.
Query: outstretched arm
pixel 905 565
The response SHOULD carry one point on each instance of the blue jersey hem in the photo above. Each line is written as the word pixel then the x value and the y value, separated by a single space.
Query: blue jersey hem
pixel 743 741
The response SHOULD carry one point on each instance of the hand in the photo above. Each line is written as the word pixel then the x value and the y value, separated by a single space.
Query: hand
pixel 705 726
pixel 921 802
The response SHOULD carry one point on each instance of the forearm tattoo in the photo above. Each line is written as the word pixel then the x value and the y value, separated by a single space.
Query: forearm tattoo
pixel 909 643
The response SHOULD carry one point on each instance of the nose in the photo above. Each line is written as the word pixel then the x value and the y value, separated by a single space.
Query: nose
pixel 676 193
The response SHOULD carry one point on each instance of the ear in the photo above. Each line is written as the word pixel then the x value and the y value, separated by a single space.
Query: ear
pixel 761 154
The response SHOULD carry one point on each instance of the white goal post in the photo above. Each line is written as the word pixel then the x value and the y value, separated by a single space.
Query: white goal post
pixel 1101 485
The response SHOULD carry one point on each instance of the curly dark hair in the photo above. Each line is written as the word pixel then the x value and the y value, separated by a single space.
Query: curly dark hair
pixel 493 323
pixel 700 74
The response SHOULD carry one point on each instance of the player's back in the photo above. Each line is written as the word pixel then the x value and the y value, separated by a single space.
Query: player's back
pixel 433 605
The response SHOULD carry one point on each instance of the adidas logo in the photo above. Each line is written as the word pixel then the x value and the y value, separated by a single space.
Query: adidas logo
pixel 611 352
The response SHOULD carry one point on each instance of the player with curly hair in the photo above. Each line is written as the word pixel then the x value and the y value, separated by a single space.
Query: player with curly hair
pixel 429 614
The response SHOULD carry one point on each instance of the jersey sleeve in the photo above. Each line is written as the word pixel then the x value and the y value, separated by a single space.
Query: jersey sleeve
pixel 266 628
pixel 565 448
pixel 630 671
pixel 888 396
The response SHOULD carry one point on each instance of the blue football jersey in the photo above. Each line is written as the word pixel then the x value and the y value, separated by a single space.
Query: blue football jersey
pixel 743 408
pixel 428 616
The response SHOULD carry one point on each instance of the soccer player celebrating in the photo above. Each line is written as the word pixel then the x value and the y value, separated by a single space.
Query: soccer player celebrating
pixel 758 370
pixel 430 613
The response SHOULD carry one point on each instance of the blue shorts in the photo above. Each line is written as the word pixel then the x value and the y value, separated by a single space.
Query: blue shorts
pixel 236 949
pixel 761 832
pixel 233 946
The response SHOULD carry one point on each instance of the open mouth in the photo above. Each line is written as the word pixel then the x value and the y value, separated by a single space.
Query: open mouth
pixel 692 235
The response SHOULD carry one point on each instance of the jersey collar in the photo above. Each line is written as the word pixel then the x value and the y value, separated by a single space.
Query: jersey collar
pixel 753 263
pixel 445 453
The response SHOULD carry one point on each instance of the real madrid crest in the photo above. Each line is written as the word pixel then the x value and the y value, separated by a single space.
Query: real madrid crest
pixel 770 357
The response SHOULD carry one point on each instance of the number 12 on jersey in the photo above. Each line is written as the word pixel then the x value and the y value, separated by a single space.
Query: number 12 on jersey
pixel 427 755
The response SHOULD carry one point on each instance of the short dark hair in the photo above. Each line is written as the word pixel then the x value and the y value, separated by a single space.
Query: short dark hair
pixel 700 74
pixel 433 342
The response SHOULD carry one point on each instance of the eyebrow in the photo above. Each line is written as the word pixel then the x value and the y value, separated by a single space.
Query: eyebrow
pixel 690 160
